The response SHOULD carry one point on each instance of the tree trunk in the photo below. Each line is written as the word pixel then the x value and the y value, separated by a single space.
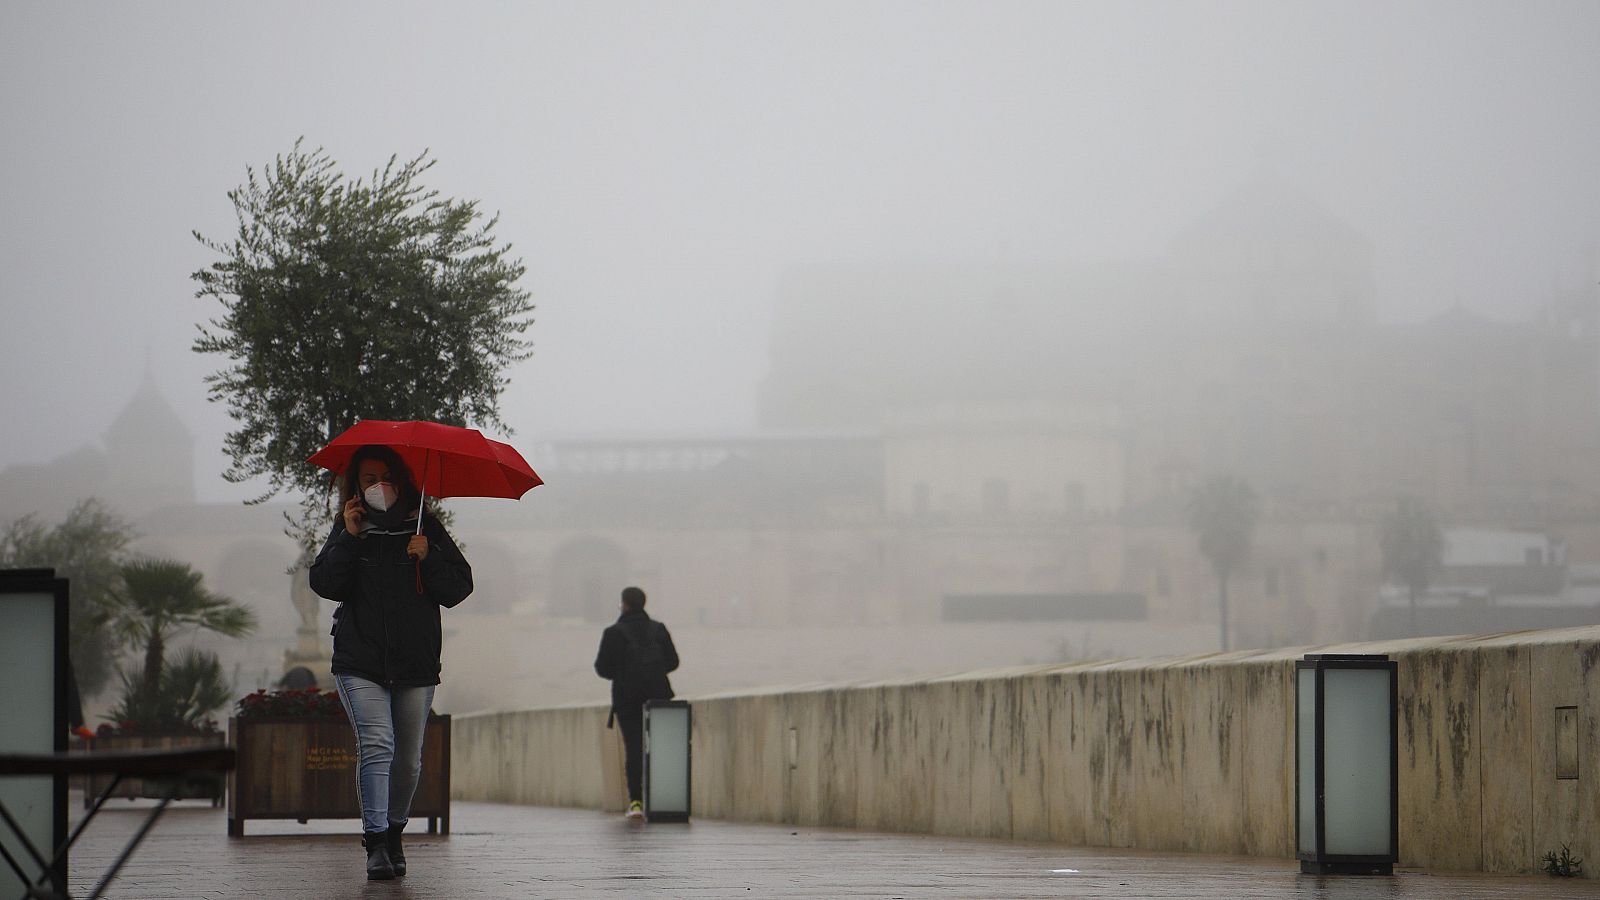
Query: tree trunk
pixel 151 686
pixel 1222 606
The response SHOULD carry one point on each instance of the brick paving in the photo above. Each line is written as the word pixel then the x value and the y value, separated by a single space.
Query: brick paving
pixel 521 851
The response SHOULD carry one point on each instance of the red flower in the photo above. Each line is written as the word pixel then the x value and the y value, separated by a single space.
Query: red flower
pixel 304 702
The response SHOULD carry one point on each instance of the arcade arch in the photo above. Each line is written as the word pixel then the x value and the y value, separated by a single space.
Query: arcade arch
pixel 587 576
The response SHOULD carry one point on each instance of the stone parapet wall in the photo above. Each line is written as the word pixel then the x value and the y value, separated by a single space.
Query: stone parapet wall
pixel 1178 754
pixel 562 756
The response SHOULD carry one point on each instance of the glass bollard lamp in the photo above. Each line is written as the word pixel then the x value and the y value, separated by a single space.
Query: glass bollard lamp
pixel 666 760
pixel 1346 765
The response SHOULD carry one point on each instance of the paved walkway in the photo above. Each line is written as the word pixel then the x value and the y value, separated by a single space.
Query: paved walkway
pixel 521 851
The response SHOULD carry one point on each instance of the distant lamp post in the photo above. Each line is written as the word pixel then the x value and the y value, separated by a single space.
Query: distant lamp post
pixel 1346 765
pixel 667 760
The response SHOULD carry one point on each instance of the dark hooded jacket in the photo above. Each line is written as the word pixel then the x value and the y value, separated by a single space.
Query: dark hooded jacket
pixel 385 630
pixel 619 642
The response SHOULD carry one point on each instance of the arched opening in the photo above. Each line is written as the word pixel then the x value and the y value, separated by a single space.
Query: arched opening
pixel 587 579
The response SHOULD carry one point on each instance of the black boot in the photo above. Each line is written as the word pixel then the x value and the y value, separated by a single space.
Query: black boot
pixel 378 866
pixel 397 854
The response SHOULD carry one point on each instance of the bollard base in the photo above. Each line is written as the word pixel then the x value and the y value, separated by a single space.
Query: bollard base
pixel 1307 867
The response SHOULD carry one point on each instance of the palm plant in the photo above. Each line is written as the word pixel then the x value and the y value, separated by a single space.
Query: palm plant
pixel 190 689
pixel 1413 547
pixel 1222 513
pixel 153 601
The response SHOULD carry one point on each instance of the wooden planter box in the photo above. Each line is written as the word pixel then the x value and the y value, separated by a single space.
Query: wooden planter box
pixel 302 769
pixel 131 788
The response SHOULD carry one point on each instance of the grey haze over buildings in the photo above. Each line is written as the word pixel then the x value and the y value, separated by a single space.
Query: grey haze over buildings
pixel 664 168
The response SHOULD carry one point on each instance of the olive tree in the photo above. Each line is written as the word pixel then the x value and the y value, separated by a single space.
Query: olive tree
pixel 352 298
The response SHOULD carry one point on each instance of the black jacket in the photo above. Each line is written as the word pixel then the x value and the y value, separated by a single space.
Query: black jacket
pixel 615 649
pixel 384 631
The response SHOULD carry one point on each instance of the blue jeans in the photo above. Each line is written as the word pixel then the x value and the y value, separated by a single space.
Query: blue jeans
pixel 389 724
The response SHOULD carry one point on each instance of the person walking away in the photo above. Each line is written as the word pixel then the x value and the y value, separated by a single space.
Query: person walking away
pixel 636 653
pixel 390 584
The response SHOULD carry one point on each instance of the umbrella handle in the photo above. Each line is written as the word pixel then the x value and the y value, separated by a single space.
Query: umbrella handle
pixel 427 457
pixel 420 508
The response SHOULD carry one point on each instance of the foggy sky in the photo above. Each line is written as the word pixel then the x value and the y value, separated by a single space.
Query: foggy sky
pixel 660 166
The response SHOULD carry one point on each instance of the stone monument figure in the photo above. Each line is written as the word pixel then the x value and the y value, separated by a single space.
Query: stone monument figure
pixel 312 648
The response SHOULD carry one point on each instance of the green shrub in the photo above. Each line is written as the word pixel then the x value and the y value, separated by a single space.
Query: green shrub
pixel 190 690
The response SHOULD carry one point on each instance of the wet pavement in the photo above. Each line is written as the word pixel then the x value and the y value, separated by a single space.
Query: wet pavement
pixel 524 851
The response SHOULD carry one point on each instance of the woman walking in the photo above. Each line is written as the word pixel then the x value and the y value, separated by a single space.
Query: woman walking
pixel 390 583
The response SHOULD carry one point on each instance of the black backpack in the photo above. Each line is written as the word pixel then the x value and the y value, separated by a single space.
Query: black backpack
pixel 644 671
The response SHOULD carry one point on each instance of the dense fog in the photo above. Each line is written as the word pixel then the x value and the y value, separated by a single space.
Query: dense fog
pixel 873 340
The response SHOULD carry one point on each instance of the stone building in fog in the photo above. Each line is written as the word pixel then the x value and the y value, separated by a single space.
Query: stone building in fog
pixel 1041 427
pixel 144 460
pixel 958 442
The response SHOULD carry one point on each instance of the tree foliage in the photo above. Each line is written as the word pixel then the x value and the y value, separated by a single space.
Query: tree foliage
pixel 1222 513
pixel 346 299
pixel 88 548
pixel 1413 548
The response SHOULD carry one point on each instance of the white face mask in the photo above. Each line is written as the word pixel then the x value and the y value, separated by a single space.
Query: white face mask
pixel 381 496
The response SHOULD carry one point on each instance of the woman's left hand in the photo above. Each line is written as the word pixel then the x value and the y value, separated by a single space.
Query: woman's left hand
pixel 417 548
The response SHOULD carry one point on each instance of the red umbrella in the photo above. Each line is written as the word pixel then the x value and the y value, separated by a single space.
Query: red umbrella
pixel 447 461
